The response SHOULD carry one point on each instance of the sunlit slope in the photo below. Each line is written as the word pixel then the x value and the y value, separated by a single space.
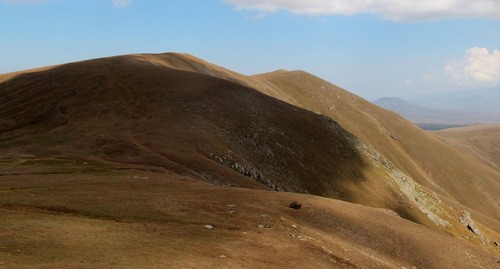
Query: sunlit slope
pixel 284 131
pixel 425 158
pixel 422 156
pixel 482 141
pixel 97 215
pixel 179 118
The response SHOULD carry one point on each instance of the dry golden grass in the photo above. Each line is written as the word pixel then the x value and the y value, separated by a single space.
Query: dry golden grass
pixel 111 220
pixel 482 141
pixel 73 136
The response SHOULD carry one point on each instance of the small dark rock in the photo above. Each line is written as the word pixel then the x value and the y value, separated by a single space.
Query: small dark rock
pixel 295 205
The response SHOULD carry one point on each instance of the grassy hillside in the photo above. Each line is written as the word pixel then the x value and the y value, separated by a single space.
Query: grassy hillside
pixel 426 159
pixel 183 120
pixel 482 141
pixel 415 152
pixel 73 214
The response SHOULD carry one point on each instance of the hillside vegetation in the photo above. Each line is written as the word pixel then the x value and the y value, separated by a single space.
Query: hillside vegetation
pixel 482 141
pixel 121 141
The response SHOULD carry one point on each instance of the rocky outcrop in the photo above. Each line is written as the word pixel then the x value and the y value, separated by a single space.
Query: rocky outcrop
pixel 468 222
pixel 426 201
pixel 246 170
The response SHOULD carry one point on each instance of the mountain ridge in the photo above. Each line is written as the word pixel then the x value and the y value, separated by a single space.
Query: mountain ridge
pixel 285 131
pixel 266 87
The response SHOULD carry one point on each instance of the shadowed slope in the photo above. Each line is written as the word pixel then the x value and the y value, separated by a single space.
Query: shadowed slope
pixel 426 159
pixel 125 110
pixel 111 220
pixel 177 114
pixel 422 156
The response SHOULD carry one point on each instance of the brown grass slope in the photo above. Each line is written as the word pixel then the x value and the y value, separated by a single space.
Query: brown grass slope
pixel 428 160
pixel 178 114
pixel 182 117
pixel 423 156
pixel 482 141
pixel 59 213
pixel 124 110
pixel 432 163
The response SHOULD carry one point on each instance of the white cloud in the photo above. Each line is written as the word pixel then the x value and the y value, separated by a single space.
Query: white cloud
pixel 395 10
pixel 478 66
pixel 408 82
pixel 122 3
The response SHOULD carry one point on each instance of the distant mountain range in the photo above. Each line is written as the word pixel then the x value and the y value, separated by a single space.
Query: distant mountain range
pixel 484 101
pixel 450 112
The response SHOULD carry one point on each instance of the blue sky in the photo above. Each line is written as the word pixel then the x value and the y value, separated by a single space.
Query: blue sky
pixel 381 49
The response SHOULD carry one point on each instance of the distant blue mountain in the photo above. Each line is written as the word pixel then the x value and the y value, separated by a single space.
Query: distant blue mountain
pixel 484 101
pixel 450 114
